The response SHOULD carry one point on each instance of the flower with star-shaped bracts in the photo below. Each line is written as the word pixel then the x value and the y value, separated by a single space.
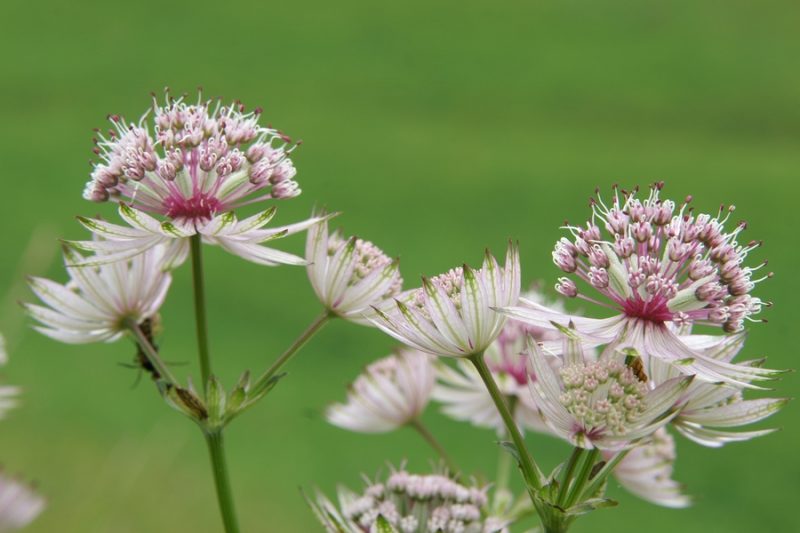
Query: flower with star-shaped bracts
pixel 410 503
pixel 659 267
pixel 97 302
pixel 390 393
pixel 185 177
pixel 463 395
pixel 453 314
pixel 600 403
pixel 710 410
pixel 351 275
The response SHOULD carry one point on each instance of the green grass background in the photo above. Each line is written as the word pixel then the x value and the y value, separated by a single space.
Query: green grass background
pixel 438 128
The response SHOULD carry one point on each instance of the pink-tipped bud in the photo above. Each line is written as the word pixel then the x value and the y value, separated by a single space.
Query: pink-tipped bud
pixel 566 287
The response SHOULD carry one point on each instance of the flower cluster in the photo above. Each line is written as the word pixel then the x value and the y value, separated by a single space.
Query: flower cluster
pixel 660 267
pixel 349 275
pixel 19 504
pixel 453 314
pixel 98 300
pixel 411 503
pixel 186 176
pixel 391 392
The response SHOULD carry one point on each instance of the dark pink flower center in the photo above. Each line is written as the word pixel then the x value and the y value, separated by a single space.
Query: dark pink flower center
pixel 200 206
pixel 654 310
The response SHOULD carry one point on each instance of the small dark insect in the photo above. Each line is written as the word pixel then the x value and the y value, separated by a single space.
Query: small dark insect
pixel 635 363
pixel 141 360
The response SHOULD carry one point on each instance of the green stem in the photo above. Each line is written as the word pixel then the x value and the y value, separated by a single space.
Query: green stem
pixel 435 444
pixel 149 351
pixel 529 468
pixel 503 475
pixel 604 472
pixel 582 478
pixel 200 308
pixel 570 470
pixel 310 331
pixel 221 481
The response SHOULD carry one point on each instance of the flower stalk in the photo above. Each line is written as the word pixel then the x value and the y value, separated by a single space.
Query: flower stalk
pixel 150 352
pixel 426 434
pixel 530 470
pixel 200 309
pixel 222 482
pixel 292 350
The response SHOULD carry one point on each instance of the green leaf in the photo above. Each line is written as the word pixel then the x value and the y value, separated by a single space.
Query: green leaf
pixel 383 525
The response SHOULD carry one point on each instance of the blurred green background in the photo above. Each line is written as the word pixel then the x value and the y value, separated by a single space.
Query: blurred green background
pixel 438 128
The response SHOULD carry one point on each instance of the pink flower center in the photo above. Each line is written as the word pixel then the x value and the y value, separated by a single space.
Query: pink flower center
pixel 199 207
pixel 654 310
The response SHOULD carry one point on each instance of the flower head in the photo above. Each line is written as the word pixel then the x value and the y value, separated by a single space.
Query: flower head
pixel 658 266
pixel 97 301
pixel 391 392
pixel 600 403
pixel 410 503
pixel 186 174
pixel 453 314
pixel 349 275
pixel 19 504
pixel 463 395
pixel 646 471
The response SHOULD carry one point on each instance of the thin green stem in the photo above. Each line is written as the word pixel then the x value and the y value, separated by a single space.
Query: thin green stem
pixel 425 433
pixel 221 481
pixel 503 475
pixel 304 337
pixel 149 351
pixel 582 477
pixel 604 472
pixel 529 468
pixel 568 472
pixel 200 308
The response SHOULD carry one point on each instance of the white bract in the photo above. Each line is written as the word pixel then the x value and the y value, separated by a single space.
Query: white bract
pixel 185 177
pixel 646 471
pixel 710 410
pixel 600 403
pixel 98 300
pixel 19 504
pixel 349 276
pixel 453 314
pixel 390 393
pixel 657 269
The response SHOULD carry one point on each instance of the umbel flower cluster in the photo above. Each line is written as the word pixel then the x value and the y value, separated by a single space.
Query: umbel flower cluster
pixel 615 389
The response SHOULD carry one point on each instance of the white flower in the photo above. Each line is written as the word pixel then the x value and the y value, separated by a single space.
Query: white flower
pixel 646 471
pixel 463 394
pixel 197 165
pixel 453 313
pixel 19 504
pixel 391 392
pixel 410 503
pixel 657 269
pixel 351 275
pixel 709 410
pixel 97 301
pixel 8 394
pixel 600 404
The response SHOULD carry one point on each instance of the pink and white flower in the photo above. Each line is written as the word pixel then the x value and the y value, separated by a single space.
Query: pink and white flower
pixel 600 403
pixel 463 394
pixel 658 266
pixel 391 393
pixel 349 276
pixel 410 503
pixel 186 176
pixel 453 314
pixel 19 504
pixel 646 471
pixel 98 300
